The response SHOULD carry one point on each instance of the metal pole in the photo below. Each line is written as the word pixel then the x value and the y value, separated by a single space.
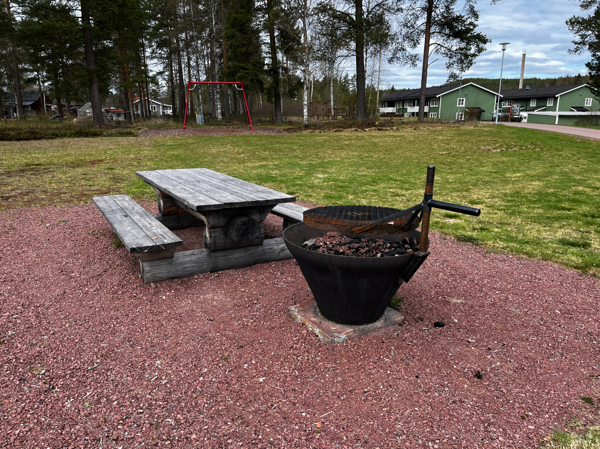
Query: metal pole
pixel 500 86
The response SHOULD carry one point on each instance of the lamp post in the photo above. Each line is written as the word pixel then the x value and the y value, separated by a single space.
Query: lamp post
pixel 504 44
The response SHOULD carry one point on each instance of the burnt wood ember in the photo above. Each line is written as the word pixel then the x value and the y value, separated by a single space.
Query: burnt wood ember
pixel 341 245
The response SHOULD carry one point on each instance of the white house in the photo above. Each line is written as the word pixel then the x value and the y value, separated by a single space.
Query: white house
pixel 85 110
pixel 156 107
pixel 117 115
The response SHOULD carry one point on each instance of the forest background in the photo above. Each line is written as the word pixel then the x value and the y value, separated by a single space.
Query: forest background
pixel 295 55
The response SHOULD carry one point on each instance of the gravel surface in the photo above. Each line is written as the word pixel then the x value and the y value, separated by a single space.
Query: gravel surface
pixel 93 357
pixel 207 131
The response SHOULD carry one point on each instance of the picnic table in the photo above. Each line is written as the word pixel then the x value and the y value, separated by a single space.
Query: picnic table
pixel 230 211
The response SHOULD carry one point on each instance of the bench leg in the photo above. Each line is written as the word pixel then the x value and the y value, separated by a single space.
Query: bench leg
pixel 287 222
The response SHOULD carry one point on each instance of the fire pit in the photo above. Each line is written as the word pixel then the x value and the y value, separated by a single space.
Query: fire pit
pixel 356 290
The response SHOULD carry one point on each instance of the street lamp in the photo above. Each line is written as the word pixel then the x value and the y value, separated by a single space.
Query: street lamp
pixel 504 44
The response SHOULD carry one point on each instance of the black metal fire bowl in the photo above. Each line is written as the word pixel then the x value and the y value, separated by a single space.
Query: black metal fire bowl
pixel 351 290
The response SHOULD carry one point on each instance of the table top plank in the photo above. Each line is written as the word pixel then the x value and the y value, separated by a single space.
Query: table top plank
pixel 215 192
pixel 253 196
pixel 258 190
pixel 186 195
pixel 204 189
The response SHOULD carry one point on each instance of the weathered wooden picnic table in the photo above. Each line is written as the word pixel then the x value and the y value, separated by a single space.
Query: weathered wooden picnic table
pixel 230 210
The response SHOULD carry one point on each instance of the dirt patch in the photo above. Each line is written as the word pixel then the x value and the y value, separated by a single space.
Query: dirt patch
pixel 207 131
pixel 93 357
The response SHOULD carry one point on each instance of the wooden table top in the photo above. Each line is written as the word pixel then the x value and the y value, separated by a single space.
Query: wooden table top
pixel 203 189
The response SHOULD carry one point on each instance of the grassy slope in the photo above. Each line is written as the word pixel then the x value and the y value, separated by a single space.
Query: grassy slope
pixel 539 192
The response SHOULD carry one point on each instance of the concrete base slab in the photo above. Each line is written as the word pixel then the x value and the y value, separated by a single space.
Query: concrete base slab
pixel 330 332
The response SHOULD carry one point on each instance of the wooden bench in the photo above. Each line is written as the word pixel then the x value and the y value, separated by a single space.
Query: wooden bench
pixel 290 212
pixel 142 234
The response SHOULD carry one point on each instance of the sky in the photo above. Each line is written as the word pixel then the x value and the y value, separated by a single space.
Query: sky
pixel 535 26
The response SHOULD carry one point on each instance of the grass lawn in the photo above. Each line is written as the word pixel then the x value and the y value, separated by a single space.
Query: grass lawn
pixel 539 192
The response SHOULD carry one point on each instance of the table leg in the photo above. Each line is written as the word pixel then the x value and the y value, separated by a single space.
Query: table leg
pixel 173 216
pixel 232 228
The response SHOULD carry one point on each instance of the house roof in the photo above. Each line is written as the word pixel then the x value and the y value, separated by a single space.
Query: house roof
pixel 430 92
pixel 539 92
pixel 114 111
pixel 137 99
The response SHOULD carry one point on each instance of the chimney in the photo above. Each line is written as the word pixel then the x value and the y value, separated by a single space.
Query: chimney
pixel 522 70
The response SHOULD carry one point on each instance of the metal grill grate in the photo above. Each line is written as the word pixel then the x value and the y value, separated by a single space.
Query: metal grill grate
pixel 345 218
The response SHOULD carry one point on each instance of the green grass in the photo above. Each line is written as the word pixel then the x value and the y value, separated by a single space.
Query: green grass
pixel 539 192
pixel 588 438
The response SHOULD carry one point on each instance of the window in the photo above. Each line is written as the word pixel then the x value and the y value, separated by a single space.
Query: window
pixel 505 103
pixel 460 115
pixel 433 115
pixel 154 107
pixel 550 102
pixel 460 102
pixel 434 102
pixel 399 104
pixel 532 102
pixel 588 101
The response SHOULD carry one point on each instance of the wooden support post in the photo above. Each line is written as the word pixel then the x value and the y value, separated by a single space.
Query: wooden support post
pixel 166 204
pixel 189 263
pixel 179 221
pixel 216 239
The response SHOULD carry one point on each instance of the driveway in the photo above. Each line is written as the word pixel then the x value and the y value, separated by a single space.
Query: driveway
pixel 580 132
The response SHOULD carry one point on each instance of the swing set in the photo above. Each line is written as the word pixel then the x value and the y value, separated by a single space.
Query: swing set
pixel 235 84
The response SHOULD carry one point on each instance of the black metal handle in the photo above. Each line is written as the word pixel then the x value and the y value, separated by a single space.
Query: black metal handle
pixel 455 208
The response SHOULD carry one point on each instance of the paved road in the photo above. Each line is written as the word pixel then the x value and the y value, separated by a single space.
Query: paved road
pixel 580 132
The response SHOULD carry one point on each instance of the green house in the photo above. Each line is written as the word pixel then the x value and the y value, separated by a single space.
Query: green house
pixel 555 105
pixel 454 102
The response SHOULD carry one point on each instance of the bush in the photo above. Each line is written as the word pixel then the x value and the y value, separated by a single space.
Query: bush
pixel 588 120
pixel 38 134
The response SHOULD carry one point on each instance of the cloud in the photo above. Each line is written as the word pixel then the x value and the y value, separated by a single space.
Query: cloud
pixel 536 26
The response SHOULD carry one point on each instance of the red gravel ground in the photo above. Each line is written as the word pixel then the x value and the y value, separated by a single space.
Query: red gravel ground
pixel 93 357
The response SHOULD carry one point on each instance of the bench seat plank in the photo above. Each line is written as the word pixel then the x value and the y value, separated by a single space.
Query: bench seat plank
pixel 290 211
pixel 139 231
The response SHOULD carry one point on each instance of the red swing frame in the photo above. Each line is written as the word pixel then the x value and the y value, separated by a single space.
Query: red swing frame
pixel 238 83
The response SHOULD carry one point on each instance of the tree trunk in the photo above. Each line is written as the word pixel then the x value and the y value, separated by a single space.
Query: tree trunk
pixel 142 102
pixel 306 63
pixel 180 83
pixel 361 106
pixel 378 81
pixel 331 95
pixel 425 60
pixel 16 74
pixel 88 45
pixel 217 91
pixel 172 81
pixel 18 94
pixel 274 64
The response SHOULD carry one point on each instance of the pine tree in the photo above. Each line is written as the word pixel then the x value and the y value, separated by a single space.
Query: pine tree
pixel 445 31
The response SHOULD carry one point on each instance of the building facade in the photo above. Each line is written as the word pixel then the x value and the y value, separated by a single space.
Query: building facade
pixel 555 105
pixel 454 102
pixel 157 109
